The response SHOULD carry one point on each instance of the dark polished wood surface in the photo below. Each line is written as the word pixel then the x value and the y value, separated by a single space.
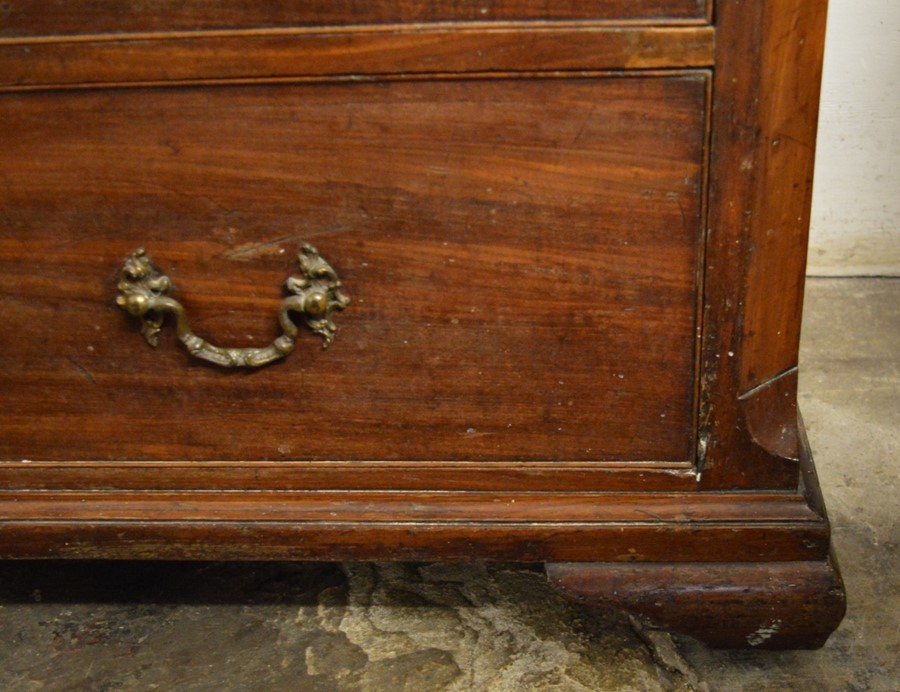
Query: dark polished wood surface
pixel 768 605
pixel 522 256
pixel 764 114
pixel 319 54
pixel 533 525
pixel 574 239
pixel 43 18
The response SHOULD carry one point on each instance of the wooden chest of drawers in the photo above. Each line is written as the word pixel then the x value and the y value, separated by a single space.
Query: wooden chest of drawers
pixel 558 273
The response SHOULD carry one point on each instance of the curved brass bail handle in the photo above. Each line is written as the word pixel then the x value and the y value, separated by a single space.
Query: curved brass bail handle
pixel 144 293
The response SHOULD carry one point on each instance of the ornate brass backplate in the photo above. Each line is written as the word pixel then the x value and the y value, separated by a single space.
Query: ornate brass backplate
pixel 144 293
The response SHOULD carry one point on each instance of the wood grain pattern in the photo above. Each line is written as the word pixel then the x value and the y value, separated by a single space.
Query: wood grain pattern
pixel 337 506
pixel 55 17
pixel 764 114
pixel 448 541
pixel 789 116
pixel 546 326
pixel 292 55
pixel 522 256
pixel 528 526
pixel 774 605
pixel 357 475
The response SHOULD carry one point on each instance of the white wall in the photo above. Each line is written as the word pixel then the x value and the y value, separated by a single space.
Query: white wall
pixel 855 226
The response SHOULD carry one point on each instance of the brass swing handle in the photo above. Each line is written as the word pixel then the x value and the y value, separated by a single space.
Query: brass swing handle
pixel 144 293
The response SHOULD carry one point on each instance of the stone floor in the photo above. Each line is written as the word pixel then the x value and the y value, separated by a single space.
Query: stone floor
pixel 175 626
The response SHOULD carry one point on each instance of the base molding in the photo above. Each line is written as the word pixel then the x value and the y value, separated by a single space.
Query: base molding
pixel 754 605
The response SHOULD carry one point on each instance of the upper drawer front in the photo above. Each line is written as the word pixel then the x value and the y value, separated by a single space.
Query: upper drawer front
pixel 522 256
pixel 40 17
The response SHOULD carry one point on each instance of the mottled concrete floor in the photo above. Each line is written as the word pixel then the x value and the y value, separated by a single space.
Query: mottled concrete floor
pixel 136 626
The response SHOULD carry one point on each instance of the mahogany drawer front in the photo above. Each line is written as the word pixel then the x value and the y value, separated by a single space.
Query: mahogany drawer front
pixel 22 18
pixel 522 257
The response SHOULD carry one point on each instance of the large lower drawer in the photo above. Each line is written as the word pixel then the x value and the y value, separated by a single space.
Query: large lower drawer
pixel 522 257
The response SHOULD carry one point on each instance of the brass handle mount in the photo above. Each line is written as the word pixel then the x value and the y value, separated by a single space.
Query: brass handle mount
pixel 316 294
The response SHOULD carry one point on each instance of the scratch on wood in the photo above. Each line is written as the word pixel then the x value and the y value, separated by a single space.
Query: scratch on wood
pixel 652 515
pixel 768 383
pixel 256 249
pixel 84 372
pixel 763 633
